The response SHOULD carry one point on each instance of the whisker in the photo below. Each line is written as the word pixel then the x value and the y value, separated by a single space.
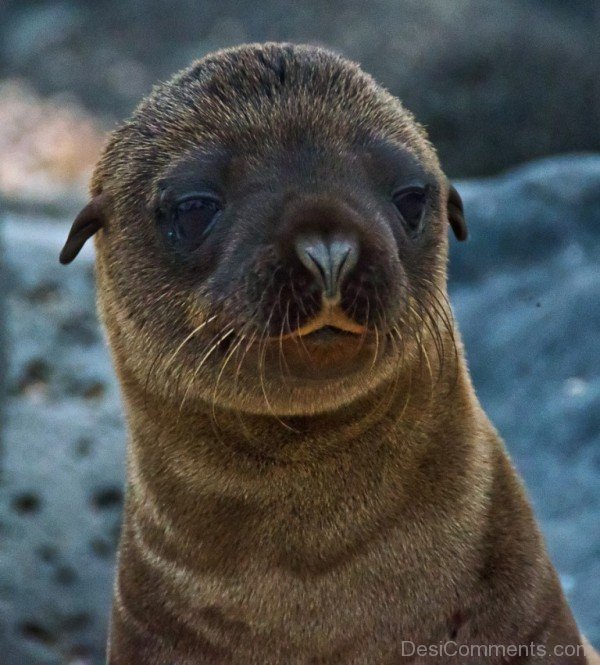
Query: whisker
pixel 214 346
pixel 235 346
pixel 187 339
pixel 262 355
pixel 238 412
pixel 376 352
pixel 281 352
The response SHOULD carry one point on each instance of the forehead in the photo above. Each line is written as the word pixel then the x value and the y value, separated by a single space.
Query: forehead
pixel 254 93
pixel 265 108
pixel 223 169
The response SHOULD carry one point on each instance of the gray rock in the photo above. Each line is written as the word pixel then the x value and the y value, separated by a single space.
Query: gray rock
pixel 526 293
pixel 3 340
pixel 63 483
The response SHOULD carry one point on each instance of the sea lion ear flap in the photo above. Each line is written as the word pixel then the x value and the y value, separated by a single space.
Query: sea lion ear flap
pixel 456 215
pixel 87 222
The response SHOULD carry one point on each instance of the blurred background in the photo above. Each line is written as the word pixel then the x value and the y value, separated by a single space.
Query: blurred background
pixel 510 94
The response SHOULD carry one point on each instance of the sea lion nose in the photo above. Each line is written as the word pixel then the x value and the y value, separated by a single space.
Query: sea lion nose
pixel 330 260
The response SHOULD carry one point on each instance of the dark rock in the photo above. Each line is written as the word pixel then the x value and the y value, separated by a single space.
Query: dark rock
pixel 495 83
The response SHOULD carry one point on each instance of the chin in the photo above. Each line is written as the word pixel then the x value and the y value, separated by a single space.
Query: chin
pixel 299 376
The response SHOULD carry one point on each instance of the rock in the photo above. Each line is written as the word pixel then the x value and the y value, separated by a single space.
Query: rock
pixel 3 340
pixel 526 293
pixel 492 81
pixel 548 209
pixel 53 146
pixel 63 477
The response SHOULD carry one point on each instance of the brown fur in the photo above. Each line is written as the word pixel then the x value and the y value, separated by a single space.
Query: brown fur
pixel 280 523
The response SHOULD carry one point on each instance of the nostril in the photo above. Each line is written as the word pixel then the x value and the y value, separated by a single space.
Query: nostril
pixel 314 255
pixel 330 261
pixel 318 267
pixel 344 255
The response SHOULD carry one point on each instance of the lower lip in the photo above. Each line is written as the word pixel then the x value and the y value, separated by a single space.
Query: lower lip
pixel 329 334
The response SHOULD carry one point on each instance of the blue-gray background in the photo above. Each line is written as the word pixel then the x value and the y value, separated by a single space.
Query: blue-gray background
pixel 497 84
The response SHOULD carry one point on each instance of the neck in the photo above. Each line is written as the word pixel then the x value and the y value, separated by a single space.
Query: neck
pixel 217 498
pixel 183 456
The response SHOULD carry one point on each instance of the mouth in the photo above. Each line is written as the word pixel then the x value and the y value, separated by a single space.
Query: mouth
pixel 331 323
pixel 328 334
pixel 329 346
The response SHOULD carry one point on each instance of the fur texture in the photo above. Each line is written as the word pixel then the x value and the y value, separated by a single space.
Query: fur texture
pixel 273 517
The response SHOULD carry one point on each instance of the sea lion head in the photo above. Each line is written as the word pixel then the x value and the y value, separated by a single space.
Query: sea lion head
pixel 273 234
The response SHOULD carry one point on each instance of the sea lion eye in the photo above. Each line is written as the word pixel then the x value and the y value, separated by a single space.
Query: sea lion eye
pixel 190 219
pixel 410 203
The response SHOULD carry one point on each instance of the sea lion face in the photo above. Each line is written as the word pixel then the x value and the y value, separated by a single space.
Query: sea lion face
pixel 275 234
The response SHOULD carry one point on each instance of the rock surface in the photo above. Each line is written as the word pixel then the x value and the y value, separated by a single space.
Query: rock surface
pixel 63 464
pixel 526 293
pixel 492 81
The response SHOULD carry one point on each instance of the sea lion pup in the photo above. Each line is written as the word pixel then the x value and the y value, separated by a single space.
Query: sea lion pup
pixel 311 478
